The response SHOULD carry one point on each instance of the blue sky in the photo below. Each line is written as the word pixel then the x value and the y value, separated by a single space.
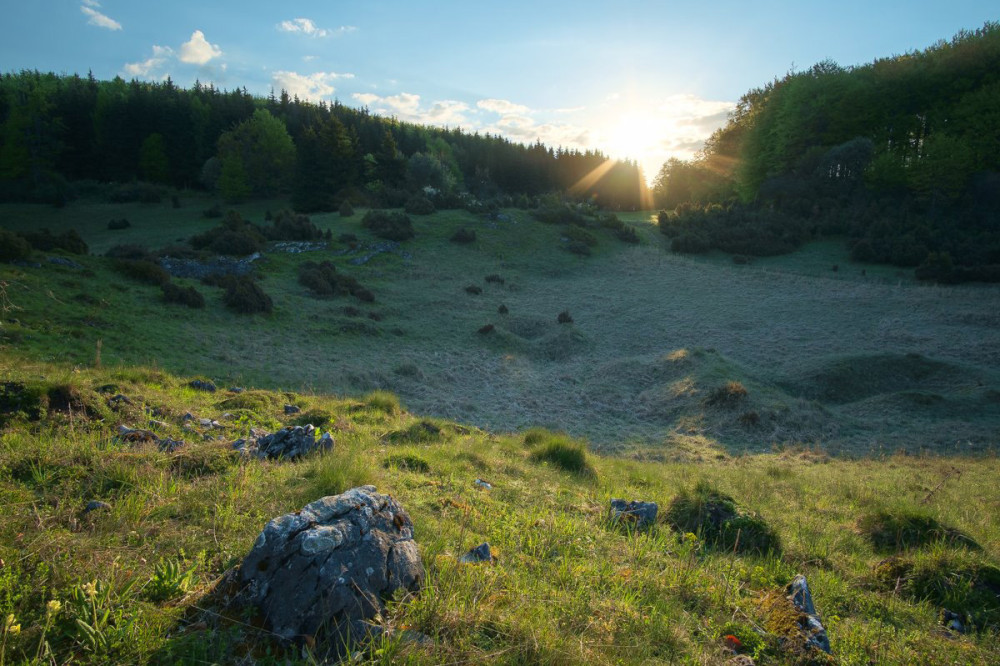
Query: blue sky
pixel 646 80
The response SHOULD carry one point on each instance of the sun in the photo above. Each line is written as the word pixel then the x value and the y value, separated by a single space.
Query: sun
pixel 635 135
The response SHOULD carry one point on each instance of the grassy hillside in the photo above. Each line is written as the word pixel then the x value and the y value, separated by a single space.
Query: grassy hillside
pixel 886 543
pixel 653 334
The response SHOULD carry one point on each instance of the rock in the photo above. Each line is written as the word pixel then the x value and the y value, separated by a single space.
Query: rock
pixel 480 553
pixel 63 261
pixel 119 399
pixel 323 571
pixel 188 416
pixel 96 505
pixel 952 621
pixel 236 389
pixel 168 445
pixel 192 268
pixel 801 598
pixel 292 409
pixel 136 435
pixel 290 442
pixel 485 485
pixel 153 423
pixel 205 422
pixel 739 660
pixel 636 513
pixel 200 385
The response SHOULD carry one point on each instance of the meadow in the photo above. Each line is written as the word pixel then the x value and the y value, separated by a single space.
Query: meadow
pixel 851 417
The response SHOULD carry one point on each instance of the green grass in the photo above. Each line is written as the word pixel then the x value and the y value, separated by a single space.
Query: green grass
pixel 566 587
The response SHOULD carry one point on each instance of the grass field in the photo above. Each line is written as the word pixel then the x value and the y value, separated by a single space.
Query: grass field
pixel 853 363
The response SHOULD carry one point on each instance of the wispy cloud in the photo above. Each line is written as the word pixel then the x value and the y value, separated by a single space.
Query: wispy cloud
pixel 197 50
pixel 308 27
pixel 501 106
pixel 97 18
pixel 308 86
pixel 153 67
pixel 407 106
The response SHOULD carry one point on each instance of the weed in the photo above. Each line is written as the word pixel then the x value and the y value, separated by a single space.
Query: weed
pixel 170 580
pixel 728 395
pixel 383 401
pixel 564 453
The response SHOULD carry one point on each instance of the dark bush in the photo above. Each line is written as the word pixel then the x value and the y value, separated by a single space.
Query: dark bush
pixel 234 236
pixel 346 210
pixel 627 234
pixel 463 236
pixel 389 225
pixel 138 192
pixel 560 214
pixel 494 278
pixel 728 395
pixel 245 296
pixel 142 271
pixel 562 452
pixel 473 290
pixel 212 212
pixel 564 317
pixel 896 531
pixel 719 523
pixel 116 225
pixel 175 201
pixel 419 205
pixel 324 280
pixel 580 235
pixel 188 296
pixel 45 241
pixel 484 330
pixel 13 247
pixel 289 226
pixel 409 463
pixel 502 309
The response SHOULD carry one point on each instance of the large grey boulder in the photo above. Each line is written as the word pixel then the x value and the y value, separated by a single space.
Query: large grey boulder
pixel 289 442
pixel 323 571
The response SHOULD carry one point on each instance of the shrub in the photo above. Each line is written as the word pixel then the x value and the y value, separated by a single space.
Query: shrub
pixel 627 234
pixel 900 530
pixel 188 296
pixel 494 278
pixel 213 211
pixel 580 235
pixel 44 240
pixel 13 247
pixel 245 296
pixel 463 236
pixel 142 270
pixel 324 280
pixel 289 226
pixel 559 214
pixel 389 225
pixel 235 236
pixel 484 330
pixel 502 309
pixel 419 205
pixel 728 395
pixel 407 462
pixel 116 225
pixel 346 210
pixel 716 520
pixel 564 453
pixel 421 432
pixel 564 317
pixel 383 401
pixel 473 290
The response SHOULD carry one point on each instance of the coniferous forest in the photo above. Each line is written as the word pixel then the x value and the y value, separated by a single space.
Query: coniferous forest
pixel 56 131
pixel 901 156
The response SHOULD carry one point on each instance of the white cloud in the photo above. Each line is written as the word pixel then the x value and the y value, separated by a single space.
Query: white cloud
pixel 308 86
pixel 97 18
pixel 501 106
pixel 151 68
pixel 309 28
pixel 197 50
pixel 406 106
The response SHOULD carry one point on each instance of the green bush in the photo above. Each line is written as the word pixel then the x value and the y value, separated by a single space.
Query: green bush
pixel 188 296
pixel 717 521
pixel 13 247
pixel 900 530
pixel 383 401
pixel 419 205
pixel 322 279
pixel 142 271
pixel 245 296
pixel 562 452
pixel 234 236
pixel 45 241
pixel 289 226
pixel 346 210
pixel 580 235
pixel 389 225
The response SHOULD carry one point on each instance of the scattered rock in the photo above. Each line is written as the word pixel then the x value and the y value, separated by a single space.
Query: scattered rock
pixel 118 400
pixel 63 261
pixel 636 513
pixel 292 409
pixel 206 423
pixel 480 553
pixel 290 442
pixel 153 423
pixel 801 598
pixel 136 435
pixel 96 505
pixel 236 389
pixel 485 485
pixel 188 416
pixel 952 621
pixel 296 247
pixel 200 385
pixel 191 268
pixel 168 445
pixel 323 571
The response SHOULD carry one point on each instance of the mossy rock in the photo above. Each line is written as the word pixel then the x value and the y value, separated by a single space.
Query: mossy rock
pixel 889 531
pixel 782 619
pixel 717 520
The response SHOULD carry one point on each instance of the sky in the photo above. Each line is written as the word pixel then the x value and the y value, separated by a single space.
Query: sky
pixel 638 80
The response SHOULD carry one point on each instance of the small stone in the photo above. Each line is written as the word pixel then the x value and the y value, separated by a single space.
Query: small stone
pixel 169 445
pixel 200 385
pixel 96 505
pixel 292 409
pixel 205 422
pixel 480 553
pixel 639 514
pixel 485 485
pixel 188 416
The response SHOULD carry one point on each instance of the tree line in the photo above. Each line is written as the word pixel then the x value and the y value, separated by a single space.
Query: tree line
pixel 56 130
pixel 901 155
